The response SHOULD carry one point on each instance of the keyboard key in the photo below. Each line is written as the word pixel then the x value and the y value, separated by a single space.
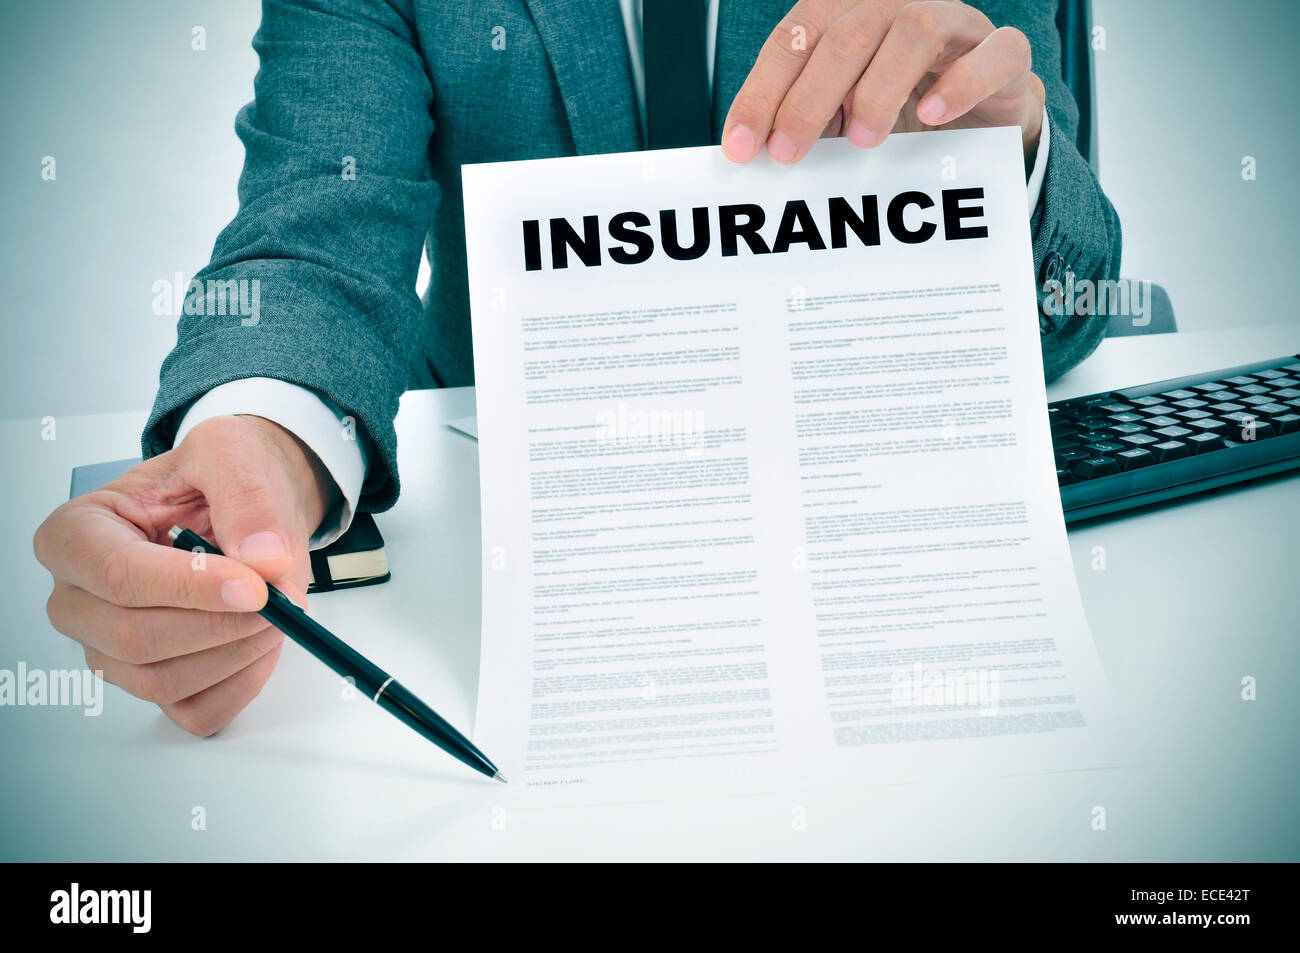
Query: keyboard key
pixel 1227 407
pixel 1173 433
pixel 1262 430
pixel 1132 459
pixel 1145 401
pixel 1159 410
pixel 1292 369
pixel 1241 381
pixel 1127 418
pixel 1209 388
pixel 1240 418
pixel 1280 382
pixel 1194 414
pixel 1067 457
pixel 1179 394
pixel 1271 410
pixel 1209 425
pixel 1254 389
pixel 1128 428
pixel 1169 450
pixel 1094 467
pixel 1064 477
pixel 1257 399
pixel 1190 403
pixel 1139 439
pixel 1286 393
pixel 1205 442
pixel 1268 375
pixel 1093 424
pixel 1286 423
pixel 1115 408
pixel 1165 421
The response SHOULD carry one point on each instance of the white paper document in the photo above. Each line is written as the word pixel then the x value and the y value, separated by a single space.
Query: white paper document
pixel 767 483
pixel 466 425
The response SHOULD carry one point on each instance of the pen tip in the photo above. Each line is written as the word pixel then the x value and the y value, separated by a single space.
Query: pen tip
pixel 500 777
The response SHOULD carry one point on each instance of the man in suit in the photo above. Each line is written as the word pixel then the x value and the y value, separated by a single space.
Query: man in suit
pixel 269 432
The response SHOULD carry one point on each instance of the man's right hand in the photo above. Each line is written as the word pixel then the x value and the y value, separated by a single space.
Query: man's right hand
pixel 165 626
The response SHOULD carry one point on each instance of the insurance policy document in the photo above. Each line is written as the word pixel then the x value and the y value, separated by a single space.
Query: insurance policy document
pixel 767 484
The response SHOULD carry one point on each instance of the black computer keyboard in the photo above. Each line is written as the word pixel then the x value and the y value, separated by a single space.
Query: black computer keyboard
pixel 1147 444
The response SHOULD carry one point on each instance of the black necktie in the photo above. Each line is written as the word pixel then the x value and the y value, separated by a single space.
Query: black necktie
pixel 676 74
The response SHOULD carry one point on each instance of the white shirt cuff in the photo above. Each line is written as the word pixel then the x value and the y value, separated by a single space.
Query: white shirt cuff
pixel 1035 184
pixel 314 419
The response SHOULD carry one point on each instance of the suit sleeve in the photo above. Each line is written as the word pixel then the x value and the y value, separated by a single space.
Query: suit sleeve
pixel 334 201
pixel 1074 226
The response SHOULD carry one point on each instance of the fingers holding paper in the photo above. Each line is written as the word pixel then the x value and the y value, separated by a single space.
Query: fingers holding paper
pixel 867 68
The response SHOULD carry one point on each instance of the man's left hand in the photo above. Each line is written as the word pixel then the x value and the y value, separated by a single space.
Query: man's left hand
pixel 866 68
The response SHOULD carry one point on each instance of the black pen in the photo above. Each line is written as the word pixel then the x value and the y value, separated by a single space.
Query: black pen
pixel 369 678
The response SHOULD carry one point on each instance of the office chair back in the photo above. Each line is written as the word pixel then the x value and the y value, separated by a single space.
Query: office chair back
pixel 1074 23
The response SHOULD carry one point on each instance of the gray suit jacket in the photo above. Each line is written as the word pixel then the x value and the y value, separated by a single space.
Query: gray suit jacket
pixel 411 90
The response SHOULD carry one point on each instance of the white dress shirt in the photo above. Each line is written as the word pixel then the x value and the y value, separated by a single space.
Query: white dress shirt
pixel 320 423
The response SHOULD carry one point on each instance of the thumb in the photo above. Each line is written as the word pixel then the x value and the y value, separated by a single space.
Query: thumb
pixel 251 524
pixel 251 503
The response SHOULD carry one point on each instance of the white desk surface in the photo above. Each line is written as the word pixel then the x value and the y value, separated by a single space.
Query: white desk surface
pixel 1193 597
